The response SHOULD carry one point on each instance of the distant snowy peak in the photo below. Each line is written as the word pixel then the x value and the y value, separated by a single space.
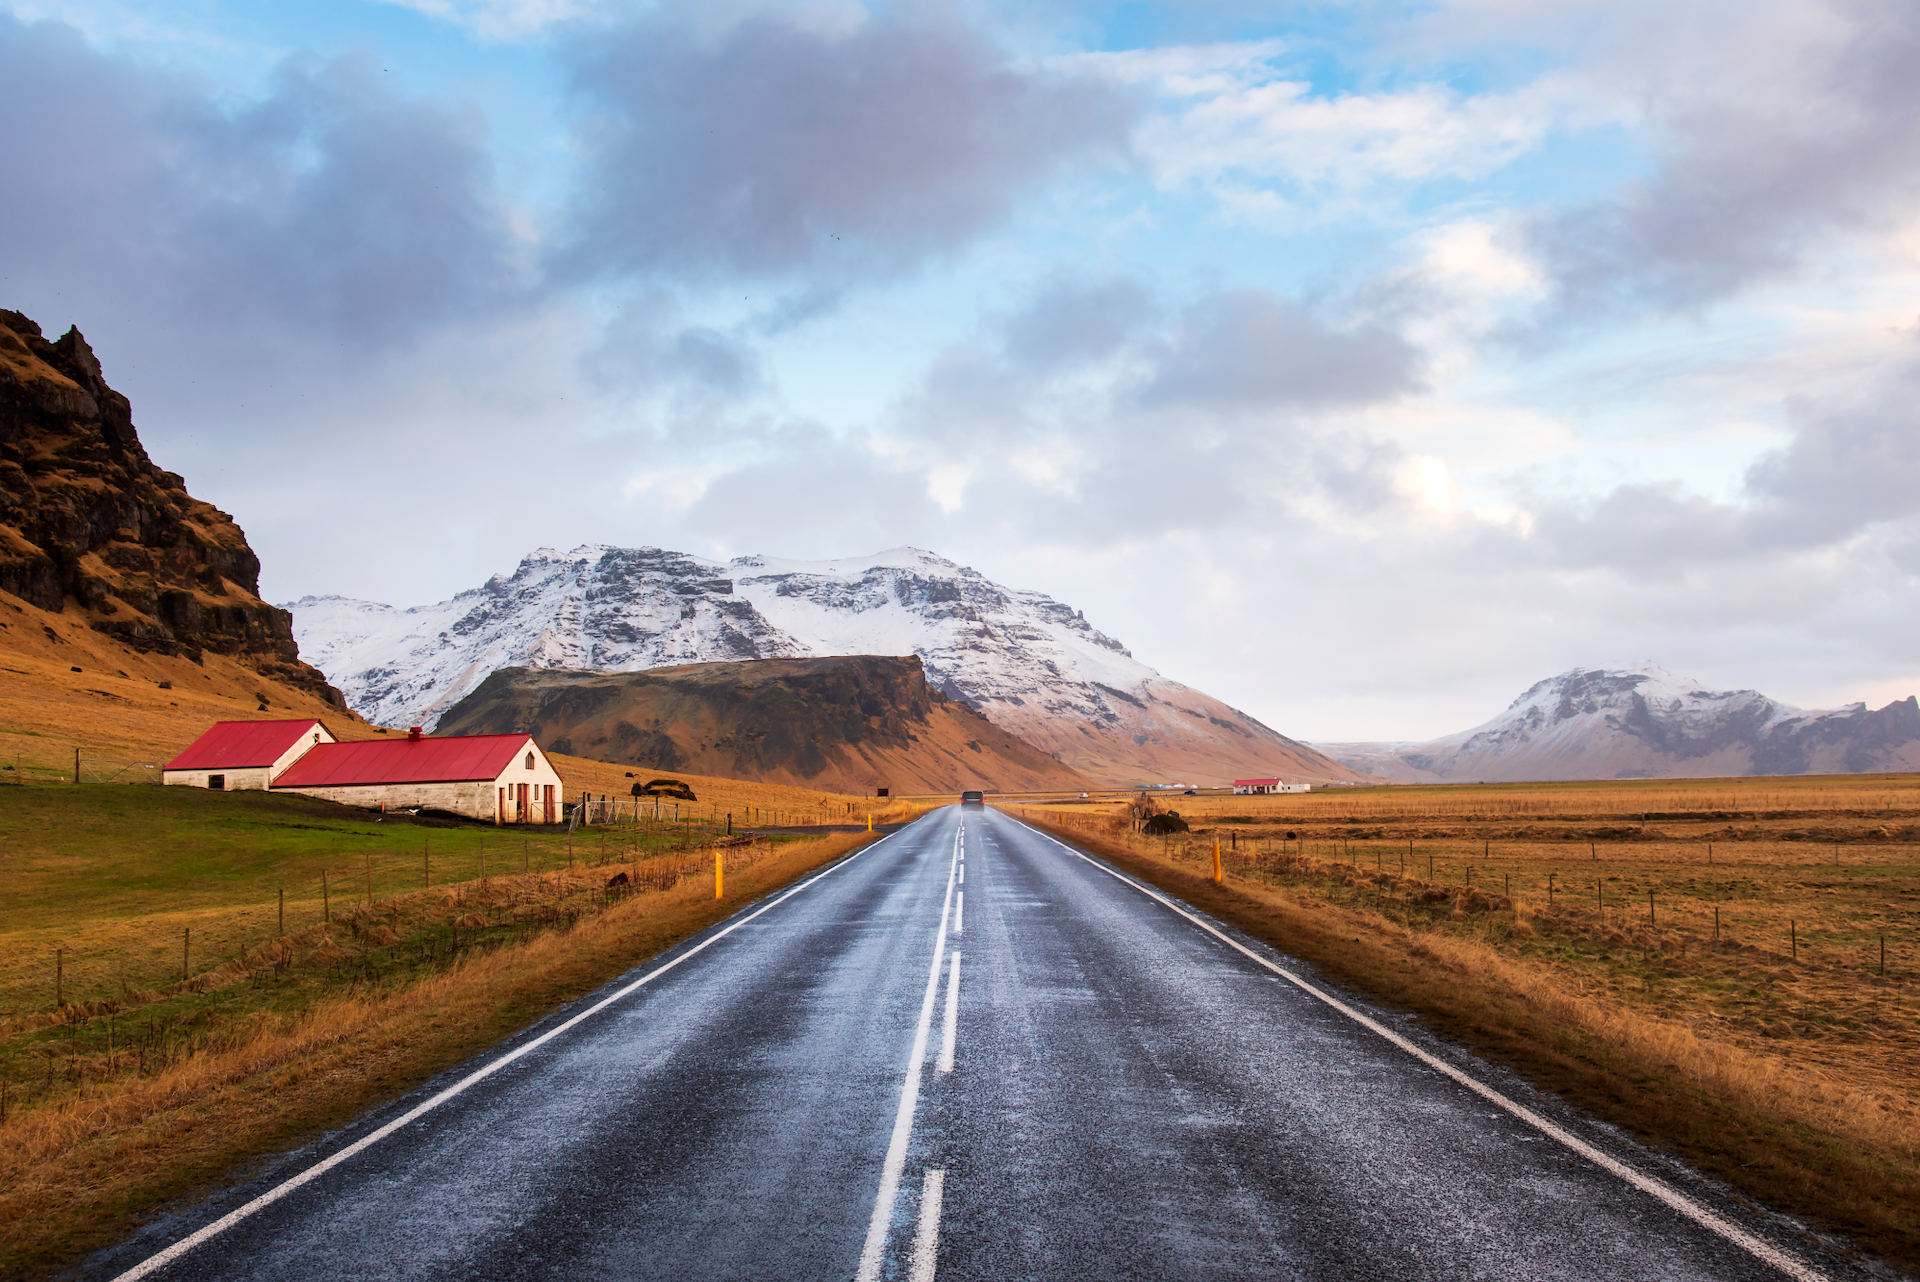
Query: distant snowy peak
pixel 1032 664
pixel 1644 689
pixel 1645 722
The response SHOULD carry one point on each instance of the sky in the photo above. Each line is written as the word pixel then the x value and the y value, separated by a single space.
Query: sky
pixel 1358 363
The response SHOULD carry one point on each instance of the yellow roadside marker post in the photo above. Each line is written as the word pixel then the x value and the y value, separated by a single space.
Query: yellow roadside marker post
pixel 1219 877
pixel 719 875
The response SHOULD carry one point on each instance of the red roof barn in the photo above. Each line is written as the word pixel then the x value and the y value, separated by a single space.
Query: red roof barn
pixel 502 777
pixel 237 755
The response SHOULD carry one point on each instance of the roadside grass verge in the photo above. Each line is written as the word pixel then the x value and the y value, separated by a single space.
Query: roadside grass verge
pixel 134 1100
pixel 1840 1149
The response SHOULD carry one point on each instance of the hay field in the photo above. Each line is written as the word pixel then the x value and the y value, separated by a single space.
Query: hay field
pixel 1663 951
pixel 1760 912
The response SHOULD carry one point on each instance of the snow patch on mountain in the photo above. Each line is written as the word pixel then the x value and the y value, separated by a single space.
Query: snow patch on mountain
pixel 1027 661
pixel 1644 722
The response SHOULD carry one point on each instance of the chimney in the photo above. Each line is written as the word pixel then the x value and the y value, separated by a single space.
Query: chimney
pixel 413 734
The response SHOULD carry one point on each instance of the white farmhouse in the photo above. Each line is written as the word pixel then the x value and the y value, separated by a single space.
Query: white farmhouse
pixel 237 756
pixel 502 777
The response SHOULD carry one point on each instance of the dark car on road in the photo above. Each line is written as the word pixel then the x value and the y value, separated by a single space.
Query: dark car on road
pixel 972 797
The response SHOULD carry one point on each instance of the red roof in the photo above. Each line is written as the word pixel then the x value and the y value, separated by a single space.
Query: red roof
pixel 454 759
pixel 1242 783
pixel 236 745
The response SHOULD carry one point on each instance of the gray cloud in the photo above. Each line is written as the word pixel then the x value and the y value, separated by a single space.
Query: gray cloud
pixel 649 348
pixel 1153 422
pixel 330 207
pixel 772 147
pixel 1753 170
pixel 1849 465
pixel 1852 465
pixel 1071 321
pixel 1248 349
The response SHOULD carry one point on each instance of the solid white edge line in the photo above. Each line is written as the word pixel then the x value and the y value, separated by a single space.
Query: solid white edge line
pixel 896 1160
pixel 926 1242
pixel 1757 1247
pixel 950 1029
pixel 167 1256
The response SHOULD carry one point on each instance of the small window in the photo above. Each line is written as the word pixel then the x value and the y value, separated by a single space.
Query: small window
pixel 529 761
pixel 316 736
pixel 217 782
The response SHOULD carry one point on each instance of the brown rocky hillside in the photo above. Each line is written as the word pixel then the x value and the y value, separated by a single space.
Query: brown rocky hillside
pixel 850 723
pixel 93 530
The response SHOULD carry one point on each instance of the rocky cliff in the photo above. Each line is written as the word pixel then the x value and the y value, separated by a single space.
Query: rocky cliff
pixel 849 724
pixel 90 524
pixel 1646 723
pixel 1026 661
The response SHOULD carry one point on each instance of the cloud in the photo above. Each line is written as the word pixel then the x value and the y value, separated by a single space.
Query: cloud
pixel 772 146
pixel 1851 471
pixel 649 346
pixel 1112 419
pixel 1231 118
pixel 1247 349
pixel 331 207
pixel 1777 130
pixel 1851 464
pixel 1069 322
pixel 501 19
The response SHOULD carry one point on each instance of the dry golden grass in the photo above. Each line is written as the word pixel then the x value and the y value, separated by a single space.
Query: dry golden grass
pixel 1614 800
pixel 134 1127
pixel 1531 938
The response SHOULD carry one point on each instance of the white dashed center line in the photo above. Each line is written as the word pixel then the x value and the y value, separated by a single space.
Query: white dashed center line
pixel 926 1242
pixel 952 1026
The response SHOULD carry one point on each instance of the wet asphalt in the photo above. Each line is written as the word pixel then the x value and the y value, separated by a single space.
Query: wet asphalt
pixel 1129 1097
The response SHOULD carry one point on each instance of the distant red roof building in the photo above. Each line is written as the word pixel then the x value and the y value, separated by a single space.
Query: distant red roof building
pixel 233 745
pixel 461 759
pixel 1266 787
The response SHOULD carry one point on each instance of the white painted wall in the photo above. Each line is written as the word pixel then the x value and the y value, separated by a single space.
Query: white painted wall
pixel 251 779
pixel 474 798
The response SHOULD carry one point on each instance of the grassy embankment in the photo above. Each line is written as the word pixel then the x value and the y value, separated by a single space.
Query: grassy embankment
pixel 159 1023
pixel 1740 1018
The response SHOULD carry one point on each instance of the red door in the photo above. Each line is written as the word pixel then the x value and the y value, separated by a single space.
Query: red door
pixel 546 792
pixel 521 801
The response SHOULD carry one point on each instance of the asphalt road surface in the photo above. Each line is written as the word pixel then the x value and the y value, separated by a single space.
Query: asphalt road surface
pixel 971 1052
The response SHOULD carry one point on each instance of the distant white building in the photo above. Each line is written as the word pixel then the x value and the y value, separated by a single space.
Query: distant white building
pixel 1267 787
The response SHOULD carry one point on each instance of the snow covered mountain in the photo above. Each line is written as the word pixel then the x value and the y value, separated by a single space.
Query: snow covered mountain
pixel 1644 722
pixel 1026 661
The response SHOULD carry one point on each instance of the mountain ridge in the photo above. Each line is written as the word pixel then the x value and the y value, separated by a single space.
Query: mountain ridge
pixel 1032 665
pixel 1644 722
pixel 853 723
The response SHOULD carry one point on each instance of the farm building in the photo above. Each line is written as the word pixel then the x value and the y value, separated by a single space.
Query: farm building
pixel 237 756
pixel 502 777
pixel 1267 787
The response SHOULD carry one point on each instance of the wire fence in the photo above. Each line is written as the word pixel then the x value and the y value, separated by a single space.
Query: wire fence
pixel 116 769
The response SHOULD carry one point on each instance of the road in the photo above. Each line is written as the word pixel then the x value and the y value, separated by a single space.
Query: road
pixel 1114 1088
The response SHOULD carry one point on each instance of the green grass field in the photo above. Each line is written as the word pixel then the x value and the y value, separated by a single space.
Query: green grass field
pixel 136 920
